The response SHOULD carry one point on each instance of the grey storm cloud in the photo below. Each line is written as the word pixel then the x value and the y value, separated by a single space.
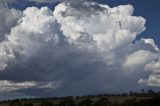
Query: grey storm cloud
pixel 7 1
pixel 40 1
pixel 78 48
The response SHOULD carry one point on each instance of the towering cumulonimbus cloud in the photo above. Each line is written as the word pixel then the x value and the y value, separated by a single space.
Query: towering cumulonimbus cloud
pixel 78 48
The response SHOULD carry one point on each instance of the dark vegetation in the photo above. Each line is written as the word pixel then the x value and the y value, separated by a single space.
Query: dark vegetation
pixel 143 98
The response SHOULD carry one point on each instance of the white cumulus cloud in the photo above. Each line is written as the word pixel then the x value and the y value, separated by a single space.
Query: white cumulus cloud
pixel 83 45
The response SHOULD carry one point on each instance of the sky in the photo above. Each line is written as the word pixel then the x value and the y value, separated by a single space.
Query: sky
pixel 78 47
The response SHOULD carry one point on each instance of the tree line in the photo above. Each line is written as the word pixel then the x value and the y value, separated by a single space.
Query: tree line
pixel 100 102
pixel 143 98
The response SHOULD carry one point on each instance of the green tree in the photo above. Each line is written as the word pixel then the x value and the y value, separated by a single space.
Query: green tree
pixel 86 102
pixel 67 102
pixel 15 104
pixel 28 104
pixel 46 103
pixel 103 102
